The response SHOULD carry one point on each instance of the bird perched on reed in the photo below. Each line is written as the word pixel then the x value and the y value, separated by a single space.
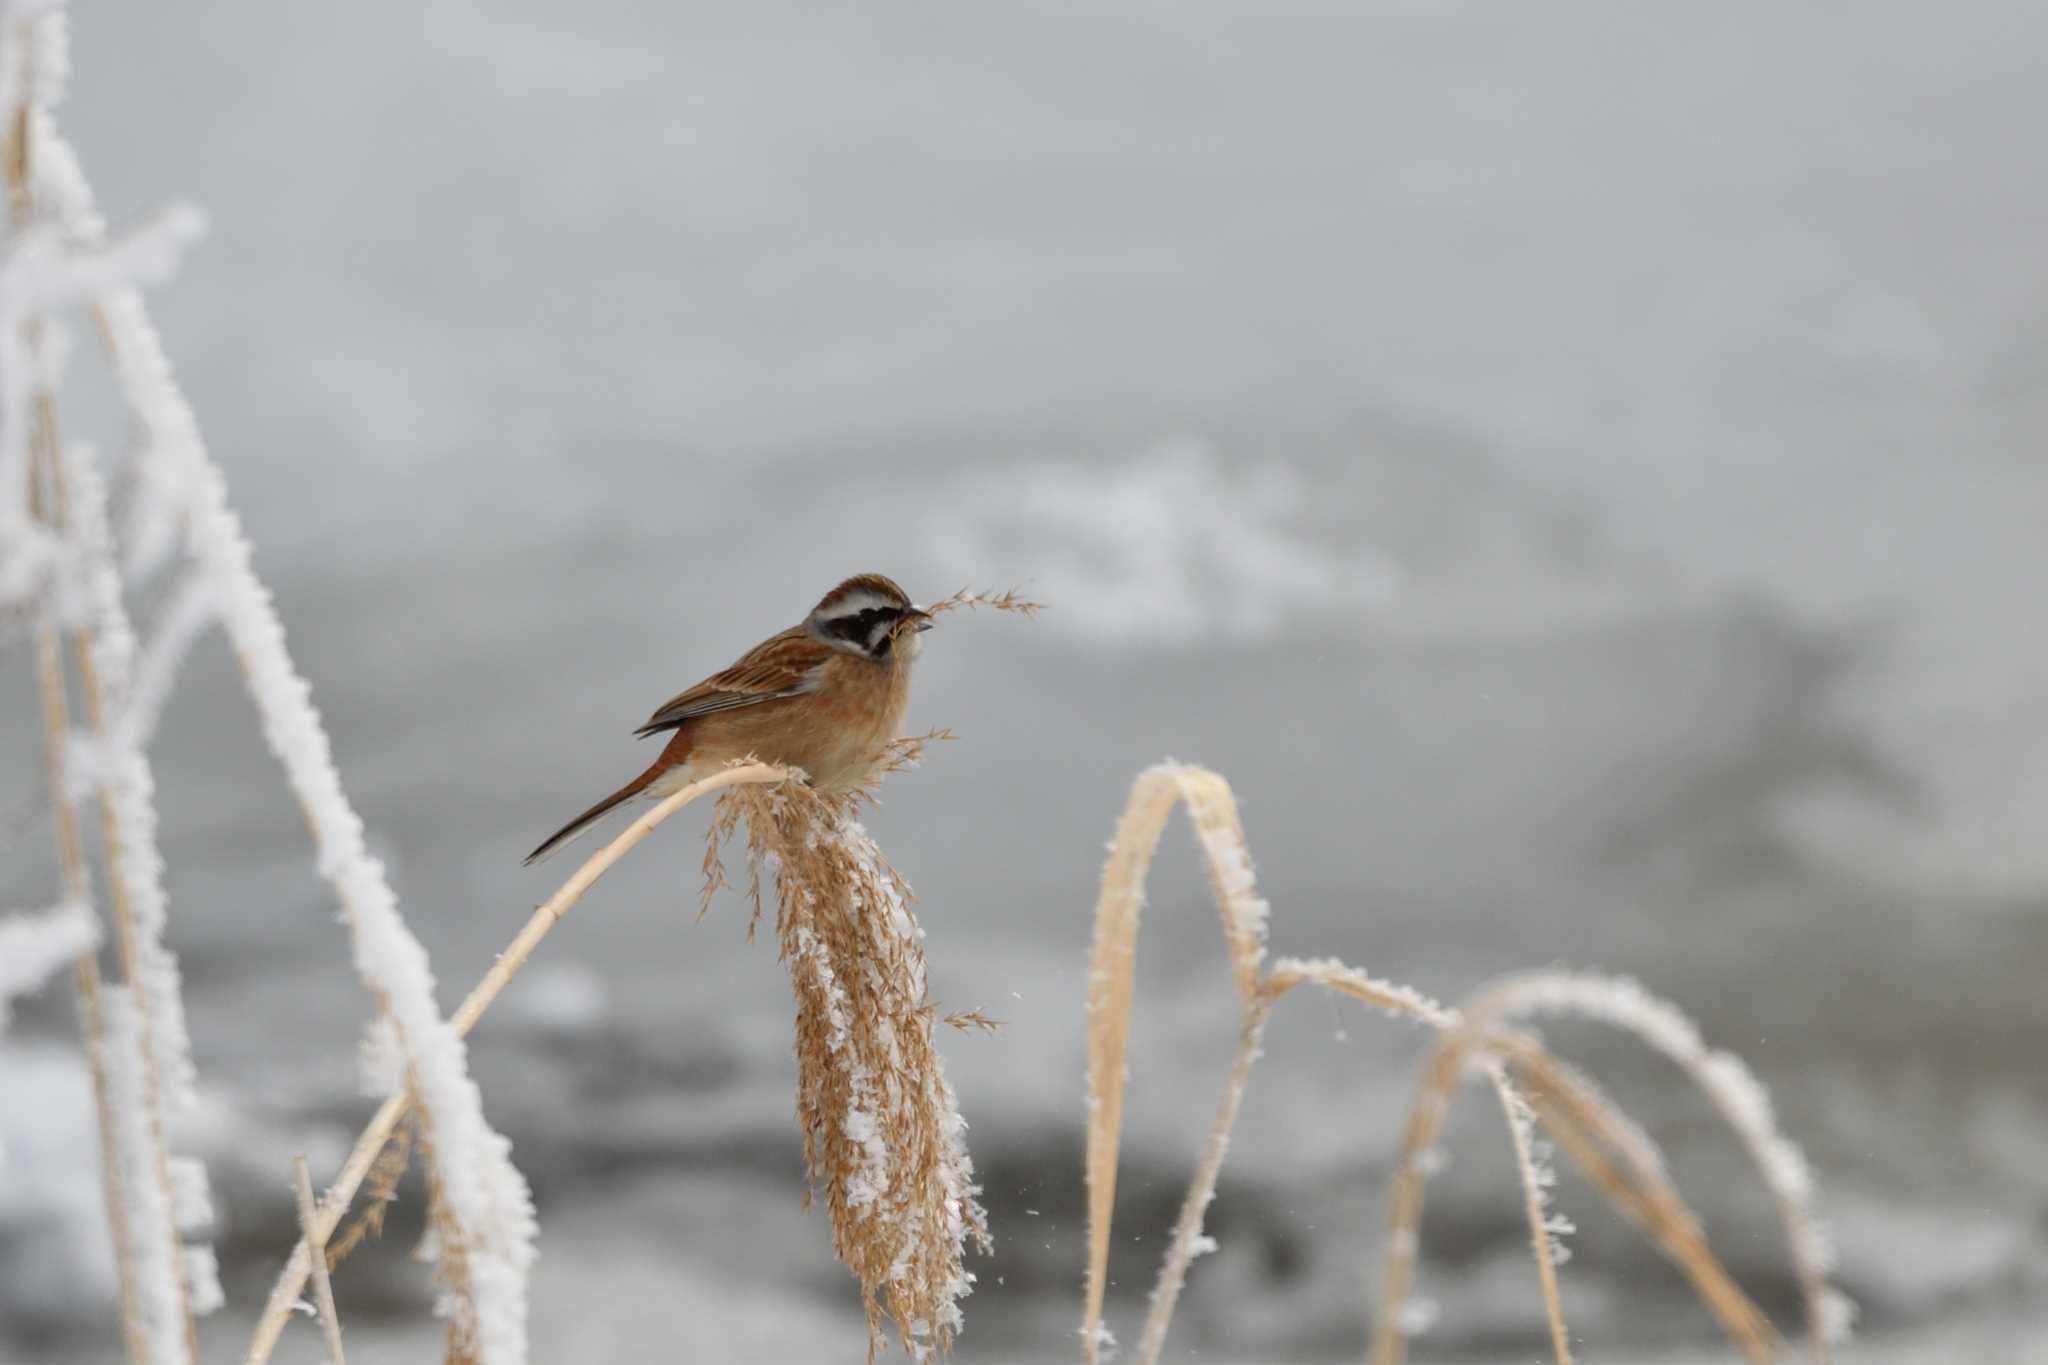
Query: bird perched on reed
pixel 826 695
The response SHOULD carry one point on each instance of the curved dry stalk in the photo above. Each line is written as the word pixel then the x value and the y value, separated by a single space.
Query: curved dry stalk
pixel 1732 1089
pixel 1617 1156
pixel 1402 1002
pixel 1213 811
pixel 1286 973
pixel 1521 1120
pixel 1426 1115
pixel 1622 1163
pixel 1214 814
pixel 1727 1083
pixel 291 1280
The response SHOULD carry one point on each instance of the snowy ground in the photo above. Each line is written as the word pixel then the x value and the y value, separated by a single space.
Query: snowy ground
pixel 1577 470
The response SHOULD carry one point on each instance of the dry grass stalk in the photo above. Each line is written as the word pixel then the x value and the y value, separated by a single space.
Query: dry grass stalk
pixel 1213 811
pixel 1544 1226
pixel 1732 1089
pixel 1011 600
pixel 1394 1000
pixel 1618 1157
pixel 1486 1030
pixel 1404 1202
pixel 1627 1169
pixel 323 1287
pixel 882 1133
pixel 291 1280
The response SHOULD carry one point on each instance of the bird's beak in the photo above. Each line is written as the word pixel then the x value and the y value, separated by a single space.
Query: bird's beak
pixel 920 619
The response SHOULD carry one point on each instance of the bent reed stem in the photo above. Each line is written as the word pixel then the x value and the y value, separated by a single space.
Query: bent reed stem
pixel 1616 1155
pixel 291 1280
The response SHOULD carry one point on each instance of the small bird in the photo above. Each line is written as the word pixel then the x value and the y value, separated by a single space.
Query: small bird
pixel 825 696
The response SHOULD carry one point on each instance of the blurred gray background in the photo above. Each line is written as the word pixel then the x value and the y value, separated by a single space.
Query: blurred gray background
pixel 1577 468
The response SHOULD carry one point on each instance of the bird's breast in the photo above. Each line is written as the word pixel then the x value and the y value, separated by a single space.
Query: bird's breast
pixel 834 733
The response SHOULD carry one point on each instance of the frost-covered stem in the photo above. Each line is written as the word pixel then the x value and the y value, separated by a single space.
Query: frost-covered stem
pixel 291 1281
pixel 316 1246
pixel 1109 1012
pixel 92 1028
pixel 131 1131
pixel 86 983
pixel 1187 1230
pixel 1401 1002
pixel 1727 1083
pixel 128 854
pixel 86 975
pixel 489 1209
pixel 1516 1111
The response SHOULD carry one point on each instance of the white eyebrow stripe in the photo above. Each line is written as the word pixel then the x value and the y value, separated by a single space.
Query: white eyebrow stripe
pixel 853 604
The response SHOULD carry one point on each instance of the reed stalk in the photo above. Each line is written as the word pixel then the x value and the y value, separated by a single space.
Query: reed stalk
pixel 323 1286
pixel 291 1280
pixel 1532 1086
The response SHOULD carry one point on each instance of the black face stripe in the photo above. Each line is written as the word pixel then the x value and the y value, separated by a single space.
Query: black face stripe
pixel 868 628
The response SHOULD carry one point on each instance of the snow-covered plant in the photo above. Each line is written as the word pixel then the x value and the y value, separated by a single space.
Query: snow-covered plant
pixel 882 1133
pixel 1534 1087
pixel 56 549
pixel 57 559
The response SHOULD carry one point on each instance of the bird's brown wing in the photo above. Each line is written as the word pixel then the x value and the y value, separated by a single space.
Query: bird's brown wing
pixel 785 665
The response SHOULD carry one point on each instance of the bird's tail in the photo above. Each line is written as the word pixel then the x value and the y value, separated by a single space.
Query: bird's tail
pixel 596 813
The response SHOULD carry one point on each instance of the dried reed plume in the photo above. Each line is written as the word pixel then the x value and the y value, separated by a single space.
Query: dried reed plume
pixel 1533 1088
pixel 882 1134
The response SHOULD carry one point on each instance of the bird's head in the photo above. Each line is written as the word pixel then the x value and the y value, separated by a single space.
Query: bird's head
pixel 870 616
